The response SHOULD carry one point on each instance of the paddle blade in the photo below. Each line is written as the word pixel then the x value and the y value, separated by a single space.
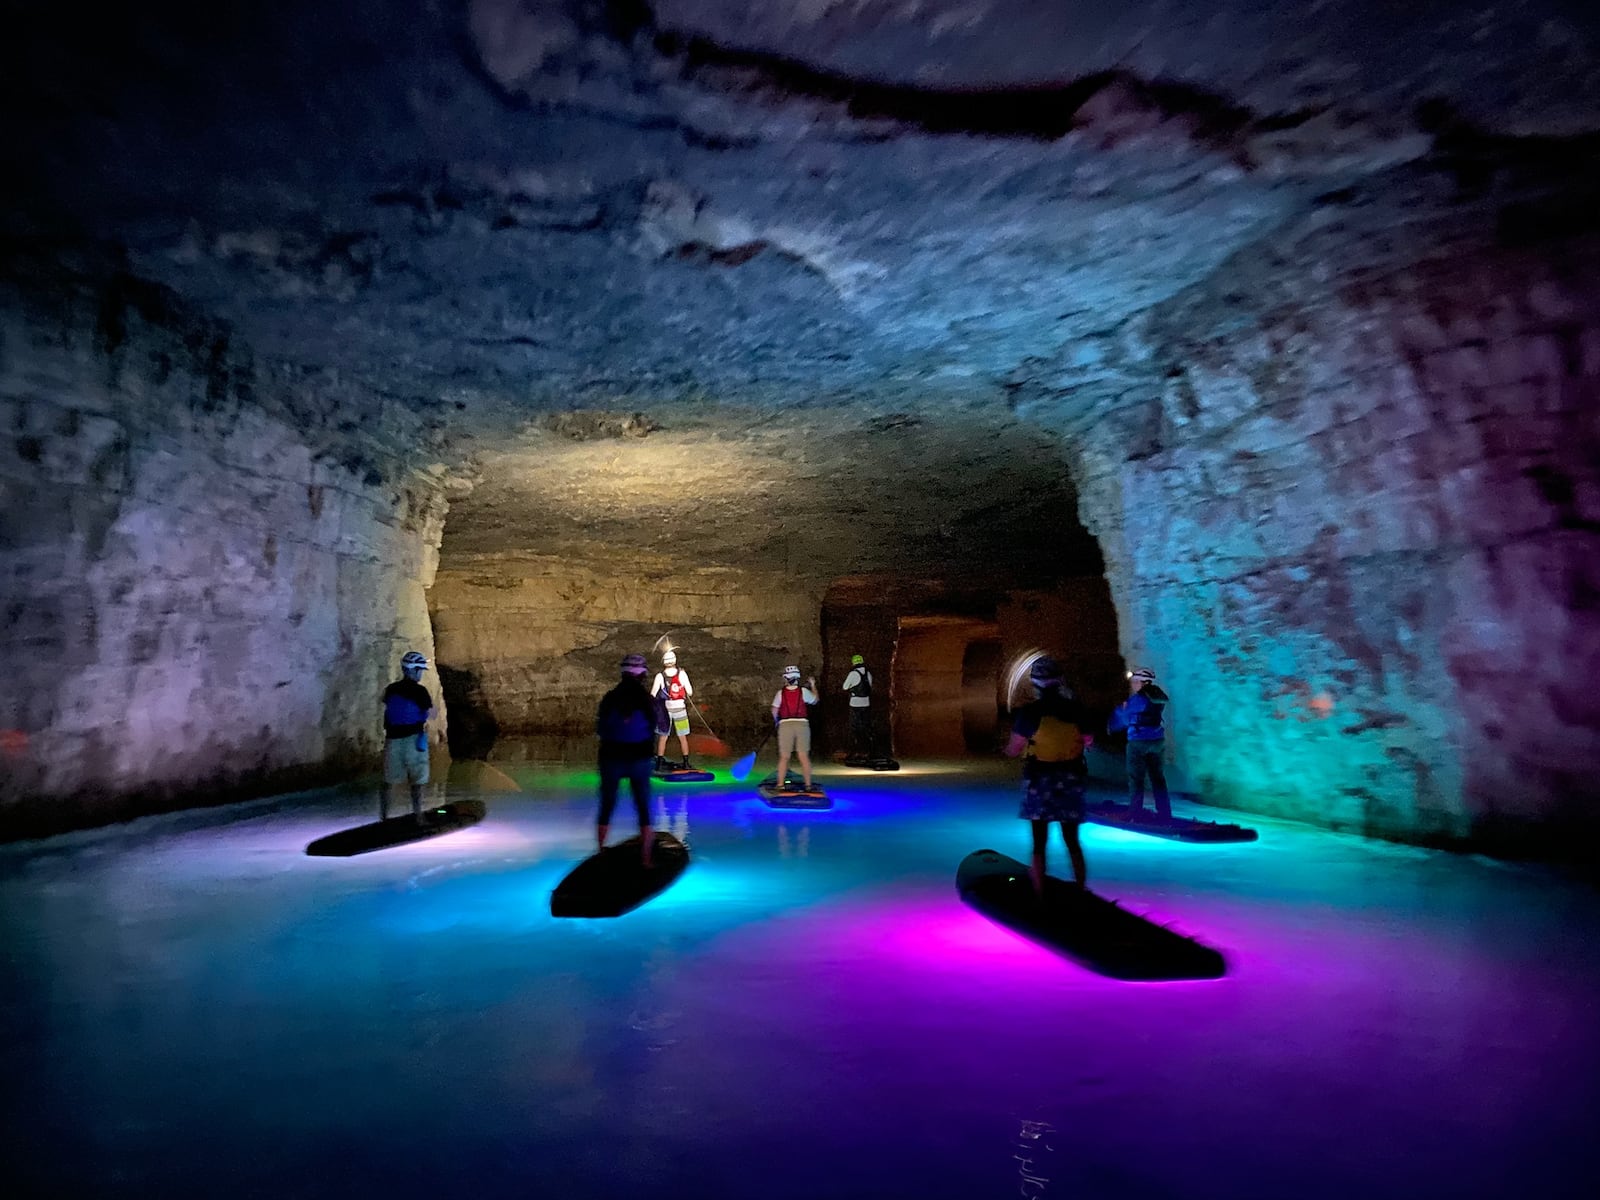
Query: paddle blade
pixel 741 769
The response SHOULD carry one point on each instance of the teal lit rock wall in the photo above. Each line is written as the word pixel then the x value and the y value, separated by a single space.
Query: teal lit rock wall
pixel 1357 533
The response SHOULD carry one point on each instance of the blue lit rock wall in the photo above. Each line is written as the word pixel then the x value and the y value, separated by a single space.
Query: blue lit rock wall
pixel 1358 535
pixel 201 599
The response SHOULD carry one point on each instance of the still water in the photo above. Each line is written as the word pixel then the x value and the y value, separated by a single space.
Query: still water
pixel 196 1008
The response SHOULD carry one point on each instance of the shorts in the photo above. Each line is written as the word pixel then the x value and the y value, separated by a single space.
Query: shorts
pixel 794 736
pixel 403 762
pixel 677 723
pixel 1052 795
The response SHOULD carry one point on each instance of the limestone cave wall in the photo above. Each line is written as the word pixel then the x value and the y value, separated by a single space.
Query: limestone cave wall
pixel 534 640
pixel 205 582
pixel 1357 534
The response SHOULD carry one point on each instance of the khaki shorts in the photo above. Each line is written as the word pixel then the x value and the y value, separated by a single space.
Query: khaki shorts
pixel 403 762
pixel 794 735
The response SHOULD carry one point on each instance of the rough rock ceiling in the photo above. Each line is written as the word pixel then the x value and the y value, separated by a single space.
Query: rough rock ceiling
pixel 489 210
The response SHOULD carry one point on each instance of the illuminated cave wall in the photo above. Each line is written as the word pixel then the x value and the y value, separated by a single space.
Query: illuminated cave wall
pixel 1358 536
pixel 205 584
pixel 535 640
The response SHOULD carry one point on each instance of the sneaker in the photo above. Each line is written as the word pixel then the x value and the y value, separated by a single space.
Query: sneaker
pixel 789 785
pixel 684 765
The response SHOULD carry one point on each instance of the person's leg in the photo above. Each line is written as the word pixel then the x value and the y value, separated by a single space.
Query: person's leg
pixel 639 785
pixel 683 740
pixel 610 777
pixel 416 803
pixel 661 750
pixel 858 732
pixel 1135 777
pixel 1041 836
pixel 1080 868
pixel 416 776
pixel 383 802
pixel 803 749
pixel 785 748
pixel 1154 753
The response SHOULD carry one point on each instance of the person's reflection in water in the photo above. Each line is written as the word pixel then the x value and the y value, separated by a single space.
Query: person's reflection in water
pixel 672 814
pixel 802 842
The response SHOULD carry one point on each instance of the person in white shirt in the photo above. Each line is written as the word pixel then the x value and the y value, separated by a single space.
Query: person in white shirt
pixel 790 713
pixel 672 686
pixel 859 684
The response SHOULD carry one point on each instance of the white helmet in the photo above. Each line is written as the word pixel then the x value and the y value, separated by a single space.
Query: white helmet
pixel 791 674
pixel 414 658
pixel 669 659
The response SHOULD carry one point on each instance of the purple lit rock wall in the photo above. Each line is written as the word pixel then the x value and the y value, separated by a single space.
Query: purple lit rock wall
pixel 1358 535
pixel 205 584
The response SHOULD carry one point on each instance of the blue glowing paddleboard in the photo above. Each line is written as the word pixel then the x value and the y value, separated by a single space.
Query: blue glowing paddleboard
pixel 614 881
pixel 397 831
pixel 793 797
pixel 1176 829
pixel 1099 933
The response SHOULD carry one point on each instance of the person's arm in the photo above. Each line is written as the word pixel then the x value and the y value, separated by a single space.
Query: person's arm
pixel 688 688
pixel 657 685
pixel 1119 718
pixel 809 696
pixel 851 679
pixel 777 703
pixel 1015 745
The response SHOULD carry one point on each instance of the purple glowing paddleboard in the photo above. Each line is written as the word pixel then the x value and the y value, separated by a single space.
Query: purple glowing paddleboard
pixel 1094 931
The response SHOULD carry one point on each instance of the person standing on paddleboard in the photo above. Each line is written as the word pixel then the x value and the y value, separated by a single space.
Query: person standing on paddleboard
pixel 673 688
pixel 790 714
pixel 1143 715
pixel 1050 730
pixel 859 684
pixel 626 722
pixel 406 705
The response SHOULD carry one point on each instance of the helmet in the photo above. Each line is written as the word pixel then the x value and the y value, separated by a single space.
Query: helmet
pixel 1144 673
pixel 669 659
pixel 791 674
pixel 857 661
pixel 1045 672
pixel 634 664
pixel 414 658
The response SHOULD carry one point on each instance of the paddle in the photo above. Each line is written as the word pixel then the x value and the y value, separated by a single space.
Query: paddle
pixel 741 769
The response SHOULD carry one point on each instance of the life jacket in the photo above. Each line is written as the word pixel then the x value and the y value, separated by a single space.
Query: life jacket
pixel 672 689
pixel 792 704
pixel 863 687
pixel 1058 738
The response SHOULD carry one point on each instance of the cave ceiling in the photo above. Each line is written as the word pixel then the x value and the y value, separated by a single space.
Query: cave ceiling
pixel 822 246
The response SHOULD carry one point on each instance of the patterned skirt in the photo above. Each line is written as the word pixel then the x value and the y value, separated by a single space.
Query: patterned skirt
pixel 1052 795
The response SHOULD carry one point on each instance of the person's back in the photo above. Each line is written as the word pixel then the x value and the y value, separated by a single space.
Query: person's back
pixel 626 723
pixel 1143 716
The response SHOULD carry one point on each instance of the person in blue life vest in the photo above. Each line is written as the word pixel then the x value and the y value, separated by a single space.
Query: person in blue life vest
pixel 626 725
pixel 1050 730
pixel 790 713
pixel 1142 715
pixel 406 705
pixel 673 689
pixel 859 684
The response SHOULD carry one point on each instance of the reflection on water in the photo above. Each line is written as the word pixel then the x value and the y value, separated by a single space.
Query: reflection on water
pixel 209 1012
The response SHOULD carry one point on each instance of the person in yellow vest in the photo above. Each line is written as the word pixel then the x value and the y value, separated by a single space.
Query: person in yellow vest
pixel 1050 731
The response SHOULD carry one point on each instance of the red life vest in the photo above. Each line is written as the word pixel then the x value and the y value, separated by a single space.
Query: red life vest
pixel 672 687
pixel 791 704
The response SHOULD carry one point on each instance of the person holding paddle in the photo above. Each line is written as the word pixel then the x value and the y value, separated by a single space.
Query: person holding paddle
pixel 793 720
